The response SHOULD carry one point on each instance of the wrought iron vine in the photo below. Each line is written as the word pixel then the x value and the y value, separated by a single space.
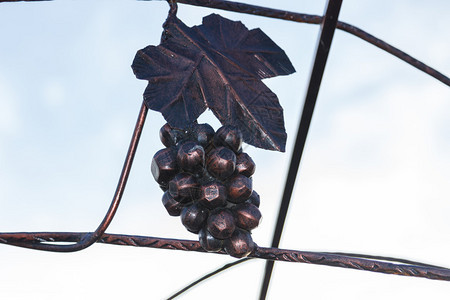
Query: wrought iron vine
pixel 49 241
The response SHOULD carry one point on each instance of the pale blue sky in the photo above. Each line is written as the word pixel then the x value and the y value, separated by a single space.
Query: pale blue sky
pixel 374 178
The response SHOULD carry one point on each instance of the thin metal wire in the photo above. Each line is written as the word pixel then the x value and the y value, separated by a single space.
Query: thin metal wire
pixel 386 258
pixel 207 276
pixel 394 51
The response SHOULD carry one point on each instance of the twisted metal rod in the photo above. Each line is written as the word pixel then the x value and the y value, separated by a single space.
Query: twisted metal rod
pixel 230 265
pixel 25 239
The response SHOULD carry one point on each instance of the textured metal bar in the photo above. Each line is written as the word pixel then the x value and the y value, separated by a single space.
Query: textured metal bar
pixel 90 238
pixel 384 258
pixel 317 258
pixel 255 10
pixel 352 263
pixel 323 47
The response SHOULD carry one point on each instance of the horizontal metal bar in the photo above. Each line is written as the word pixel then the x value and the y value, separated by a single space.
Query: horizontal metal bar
pixel 27 239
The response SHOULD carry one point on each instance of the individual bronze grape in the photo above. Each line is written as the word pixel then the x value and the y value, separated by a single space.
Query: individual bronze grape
pixel 208 242
pixel 245 164
pixel 170 136
pixel 240 244
pixel 247 216
pixel 221 224
pixel 164 166
pixel 230 137
pixel 239 188
pixel 213 195
pixel 221 163
pixel 191 157
pixel 203 134
pixel 193 217
pixel 172 206
pixel 184 187
pixel 254 199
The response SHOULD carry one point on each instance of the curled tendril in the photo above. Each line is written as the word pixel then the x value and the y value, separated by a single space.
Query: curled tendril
pixel 173 7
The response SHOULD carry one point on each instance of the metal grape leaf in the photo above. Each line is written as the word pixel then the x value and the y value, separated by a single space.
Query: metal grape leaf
pixel 217 65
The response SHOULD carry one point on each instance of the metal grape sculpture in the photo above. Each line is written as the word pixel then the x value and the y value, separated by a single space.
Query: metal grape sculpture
pixel 205 176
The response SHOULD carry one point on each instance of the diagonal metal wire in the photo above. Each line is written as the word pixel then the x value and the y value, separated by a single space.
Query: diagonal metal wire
pixel 323 48
pixel 207 276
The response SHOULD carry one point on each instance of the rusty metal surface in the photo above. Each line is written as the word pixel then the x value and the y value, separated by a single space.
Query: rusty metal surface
pixel 316 258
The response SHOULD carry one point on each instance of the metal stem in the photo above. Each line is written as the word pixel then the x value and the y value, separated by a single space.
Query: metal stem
pixel 90 238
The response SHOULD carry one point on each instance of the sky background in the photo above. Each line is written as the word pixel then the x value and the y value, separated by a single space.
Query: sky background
pixel 374 177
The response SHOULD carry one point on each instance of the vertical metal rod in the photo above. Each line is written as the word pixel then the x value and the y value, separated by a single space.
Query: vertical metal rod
pixel 328 28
